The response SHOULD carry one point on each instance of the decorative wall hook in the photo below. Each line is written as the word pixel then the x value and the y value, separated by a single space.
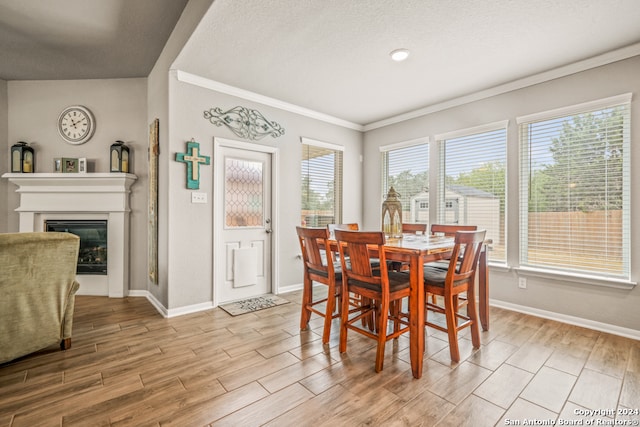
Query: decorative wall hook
pixel 193 159
pixel 244 122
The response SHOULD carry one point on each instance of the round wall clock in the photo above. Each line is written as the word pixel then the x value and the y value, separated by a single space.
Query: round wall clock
pixel 76 124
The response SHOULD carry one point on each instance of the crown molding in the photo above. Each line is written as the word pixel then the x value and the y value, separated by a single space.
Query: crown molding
pixel 566 70
pixel 576 67
pixel 206 83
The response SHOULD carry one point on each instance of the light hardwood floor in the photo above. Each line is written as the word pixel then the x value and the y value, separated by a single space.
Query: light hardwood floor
pixel 128 366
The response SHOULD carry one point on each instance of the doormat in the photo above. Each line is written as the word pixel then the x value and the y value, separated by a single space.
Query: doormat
pixel 250 305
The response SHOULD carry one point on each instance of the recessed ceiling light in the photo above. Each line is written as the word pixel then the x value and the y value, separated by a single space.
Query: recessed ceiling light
pixel 399 54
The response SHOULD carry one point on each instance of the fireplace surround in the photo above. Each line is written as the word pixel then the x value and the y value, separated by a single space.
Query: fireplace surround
pixel 82 197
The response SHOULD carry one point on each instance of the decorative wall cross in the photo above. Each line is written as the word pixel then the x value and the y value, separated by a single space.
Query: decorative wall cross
pixel 193 159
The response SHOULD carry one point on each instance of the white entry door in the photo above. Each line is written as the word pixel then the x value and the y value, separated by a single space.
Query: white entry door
pixel 243 251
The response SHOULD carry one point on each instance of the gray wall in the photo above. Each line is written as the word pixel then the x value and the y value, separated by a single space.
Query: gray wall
pixel 158 108
pixel 596 303
pixel 190 239
pixel 120 110
pixel 4 155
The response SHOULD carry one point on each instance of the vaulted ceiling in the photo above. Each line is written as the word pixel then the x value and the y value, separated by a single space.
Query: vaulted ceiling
pixel 329 56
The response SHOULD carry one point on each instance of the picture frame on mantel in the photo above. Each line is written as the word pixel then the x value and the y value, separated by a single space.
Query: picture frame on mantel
pixel 65 165
pixel 152 243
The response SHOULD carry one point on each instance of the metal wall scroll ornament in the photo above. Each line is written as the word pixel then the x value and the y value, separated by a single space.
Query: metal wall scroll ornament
pixel 244 122
pixel 193 159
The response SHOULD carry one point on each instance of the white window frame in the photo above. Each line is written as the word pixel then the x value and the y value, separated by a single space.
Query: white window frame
pixel 443 203
pixel 623 281
pixel 384 170
pixel 338 175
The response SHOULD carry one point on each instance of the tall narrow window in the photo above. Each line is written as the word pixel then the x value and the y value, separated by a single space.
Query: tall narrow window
pixel 321 183
pixel 406 167
pixel 473 181
pixel 574 189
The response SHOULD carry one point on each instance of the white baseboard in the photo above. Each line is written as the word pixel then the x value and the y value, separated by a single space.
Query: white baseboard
pixel 571 320
pixel 152 299
pixel 173 312
pixel 290 288
pixel 167 313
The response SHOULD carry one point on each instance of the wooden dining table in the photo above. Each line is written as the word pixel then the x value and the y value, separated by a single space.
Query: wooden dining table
pixel 417 250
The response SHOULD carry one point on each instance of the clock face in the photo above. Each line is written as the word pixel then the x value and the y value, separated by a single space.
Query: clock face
pixel 76 124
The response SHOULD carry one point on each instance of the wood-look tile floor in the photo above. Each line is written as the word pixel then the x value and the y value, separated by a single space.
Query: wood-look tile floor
pixel 128 366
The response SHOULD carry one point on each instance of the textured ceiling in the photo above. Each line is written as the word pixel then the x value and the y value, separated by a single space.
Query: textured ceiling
pixel 83 39
pixel 329 56
pixel 332 56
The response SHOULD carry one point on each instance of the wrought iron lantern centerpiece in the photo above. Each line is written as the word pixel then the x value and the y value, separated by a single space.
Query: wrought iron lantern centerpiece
pixel 392 215
pixel 119 155
pixel 22 158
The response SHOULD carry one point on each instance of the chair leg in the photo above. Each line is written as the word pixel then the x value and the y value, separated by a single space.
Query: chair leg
pixel 394 310
pixel 307 295
pixel 383 318
pixel 450 315
pixel 472 313
pixel 328 315
pixel 344 318
pixel 368 321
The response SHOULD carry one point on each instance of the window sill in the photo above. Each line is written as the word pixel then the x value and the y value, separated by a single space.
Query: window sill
pixel 578 278
pixel 499 266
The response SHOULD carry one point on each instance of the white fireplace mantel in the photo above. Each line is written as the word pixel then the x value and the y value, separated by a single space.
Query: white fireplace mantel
pixel 76 196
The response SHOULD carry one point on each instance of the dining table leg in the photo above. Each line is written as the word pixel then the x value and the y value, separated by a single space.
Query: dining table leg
pixel 416 315
pixel 483 290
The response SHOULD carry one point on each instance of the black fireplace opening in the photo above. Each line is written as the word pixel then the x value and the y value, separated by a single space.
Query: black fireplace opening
pixel 92 258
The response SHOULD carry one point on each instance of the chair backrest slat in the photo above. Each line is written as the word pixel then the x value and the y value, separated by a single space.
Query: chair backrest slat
pixel 451 229
pixel 357 246
pixel 413 228
pixel 469 244
pixel 314 247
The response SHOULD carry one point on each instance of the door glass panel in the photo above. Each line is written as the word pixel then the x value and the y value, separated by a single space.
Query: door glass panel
pixel 244 198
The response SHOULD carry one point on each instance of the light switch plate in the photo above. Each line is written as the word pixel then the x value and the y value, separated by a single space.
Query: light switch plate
pixel 198 197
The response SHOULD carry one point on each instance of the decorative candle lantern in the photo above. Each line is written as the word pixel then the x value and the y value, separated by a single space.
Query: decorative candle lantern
pixel 119 157
pixel 392 214
pixel 22 158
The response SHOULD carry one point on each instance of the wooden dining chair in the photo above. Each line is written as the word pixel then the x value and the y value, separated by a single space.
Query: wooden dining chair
pixel 449 230
pixel 354 300
pixel 319 266
pixel 347 226
pixel 380 290
pixel 414 228
pixel 407 228
pixel 449 283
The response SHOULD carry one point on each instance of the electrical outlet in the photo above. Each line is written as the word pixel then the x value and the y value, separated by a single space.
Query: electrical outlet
pixel 522 282
pixel 198 197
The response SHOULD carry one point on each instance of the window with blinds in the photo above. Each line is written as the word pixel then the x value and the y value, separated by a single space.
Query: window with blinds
pixel 406 168
pixel 321 183
pixel 574 189
pixel 472 184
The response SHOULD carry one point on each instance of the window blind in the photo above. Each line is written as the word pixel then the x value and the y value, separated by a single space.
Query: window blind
pixel 407 170
pixel 473 182
pixel 321 184
pixel 574 190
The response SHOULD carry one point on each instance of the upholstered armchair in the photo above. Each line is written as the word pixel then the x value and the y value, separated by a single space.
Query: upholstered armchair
pixel 37 291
